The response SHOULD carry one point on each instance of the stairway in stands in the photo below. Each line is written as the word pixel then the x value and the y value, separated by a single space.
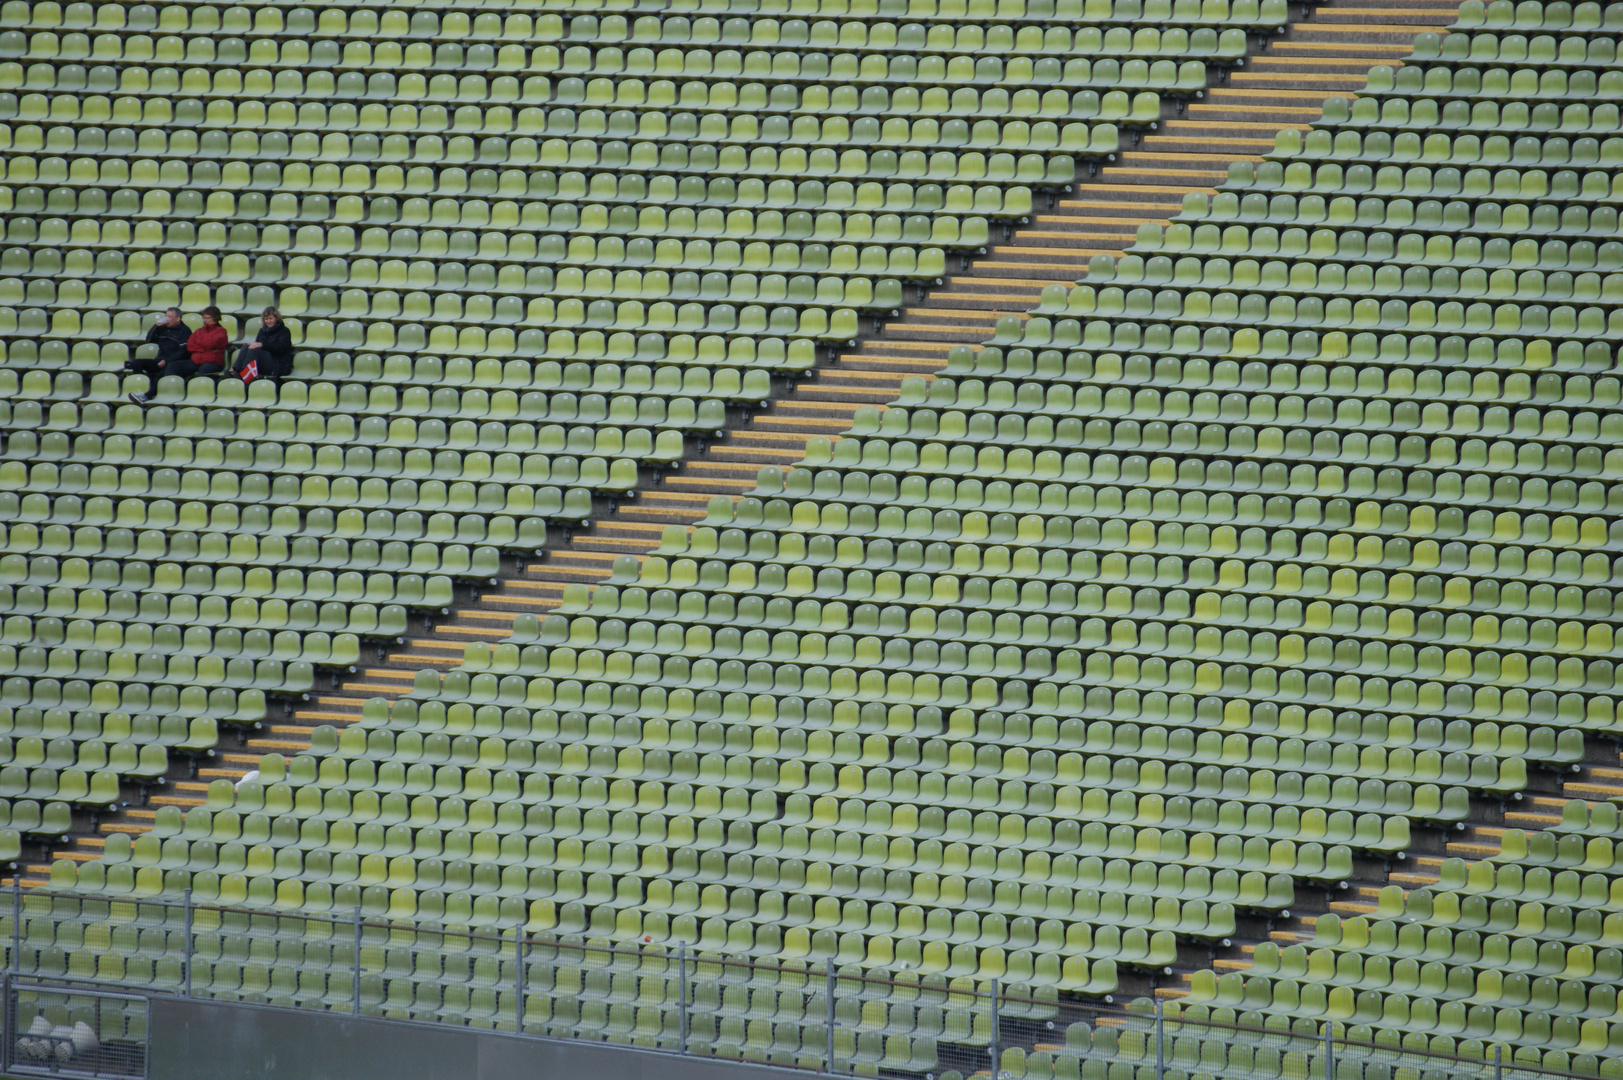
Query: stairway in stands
pixel 1284 85
pixel 1323 55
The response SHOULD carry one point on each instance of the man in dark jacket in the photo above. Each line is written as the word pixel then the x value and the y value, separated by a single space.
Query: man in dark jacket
pixel 169 334
pixel 271 352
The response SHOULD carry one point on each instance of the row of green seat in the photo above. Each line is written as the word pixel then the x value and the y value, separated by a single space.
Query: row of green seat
pixel 564 192
pixel 353 389
pixel 769 52
pixel 1514 48
pixel 1552 85
pixel 410 132
pixel 1578 118
pixel 1584 18
pixel 457 25
pixel 1443 149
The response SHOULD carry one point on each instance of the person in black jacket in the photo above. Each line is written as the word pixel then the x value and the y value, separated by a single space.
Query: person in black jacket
pixel 272 349
pixel 169 334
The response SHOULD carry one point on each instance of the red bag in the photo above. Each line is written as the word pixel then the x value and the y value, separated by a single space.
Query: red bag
pixel 250 370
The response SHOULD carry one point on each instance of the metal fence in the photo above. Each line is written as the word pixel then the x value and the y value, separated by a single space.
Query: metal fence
pixel 81 964
pixel 74 1031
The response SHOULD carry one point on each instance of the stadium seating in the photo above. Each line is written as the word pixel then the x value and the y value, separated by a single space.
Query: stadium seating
pixel 1466 213
pixel 1287 533
pixel 524 255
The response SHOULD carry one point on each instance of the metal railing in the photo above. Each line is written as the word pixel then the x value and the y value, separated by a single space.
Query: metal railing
pixel 812 1014
pixel 73 1031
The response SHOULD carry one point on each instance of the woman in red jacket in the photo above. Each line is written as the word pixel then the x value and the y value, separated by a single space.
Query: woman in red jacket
pixel 205 352
pixel 206 347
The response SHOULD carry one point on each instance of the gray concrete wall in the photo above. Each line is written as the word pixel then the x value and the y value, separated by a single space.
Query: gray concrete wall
pixel 213 1040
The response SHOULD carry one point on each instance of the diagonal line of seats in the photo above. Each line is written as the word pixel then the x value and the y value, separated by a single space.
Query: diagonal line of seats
pixel 1282 541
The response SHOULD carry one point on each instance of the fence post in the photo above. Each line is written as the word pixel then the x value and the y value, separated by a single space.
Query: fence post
pixel 187 959
pixel 355 1004
pixel 994 1049
pixel 830 1015
pixel 518 979
pixel 8 1011
pixel 682 994
pixel 1160 1044
pixel 1329 1050
pixel 1498 1062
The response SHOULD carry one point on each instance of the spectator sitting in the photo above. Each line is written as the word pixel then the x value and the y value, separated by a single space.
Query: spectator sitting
pixel 272 349
pixel 206 352
pixel 169 334
pixel 208 344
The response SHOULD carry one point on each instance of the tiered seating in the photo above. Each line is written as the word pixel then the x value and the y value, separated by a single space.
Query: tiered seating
pixel 523 255
pixel 1449 238
pixel 1290 530
pixel 1518 949
pixel 998 675
pixel 1373 579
